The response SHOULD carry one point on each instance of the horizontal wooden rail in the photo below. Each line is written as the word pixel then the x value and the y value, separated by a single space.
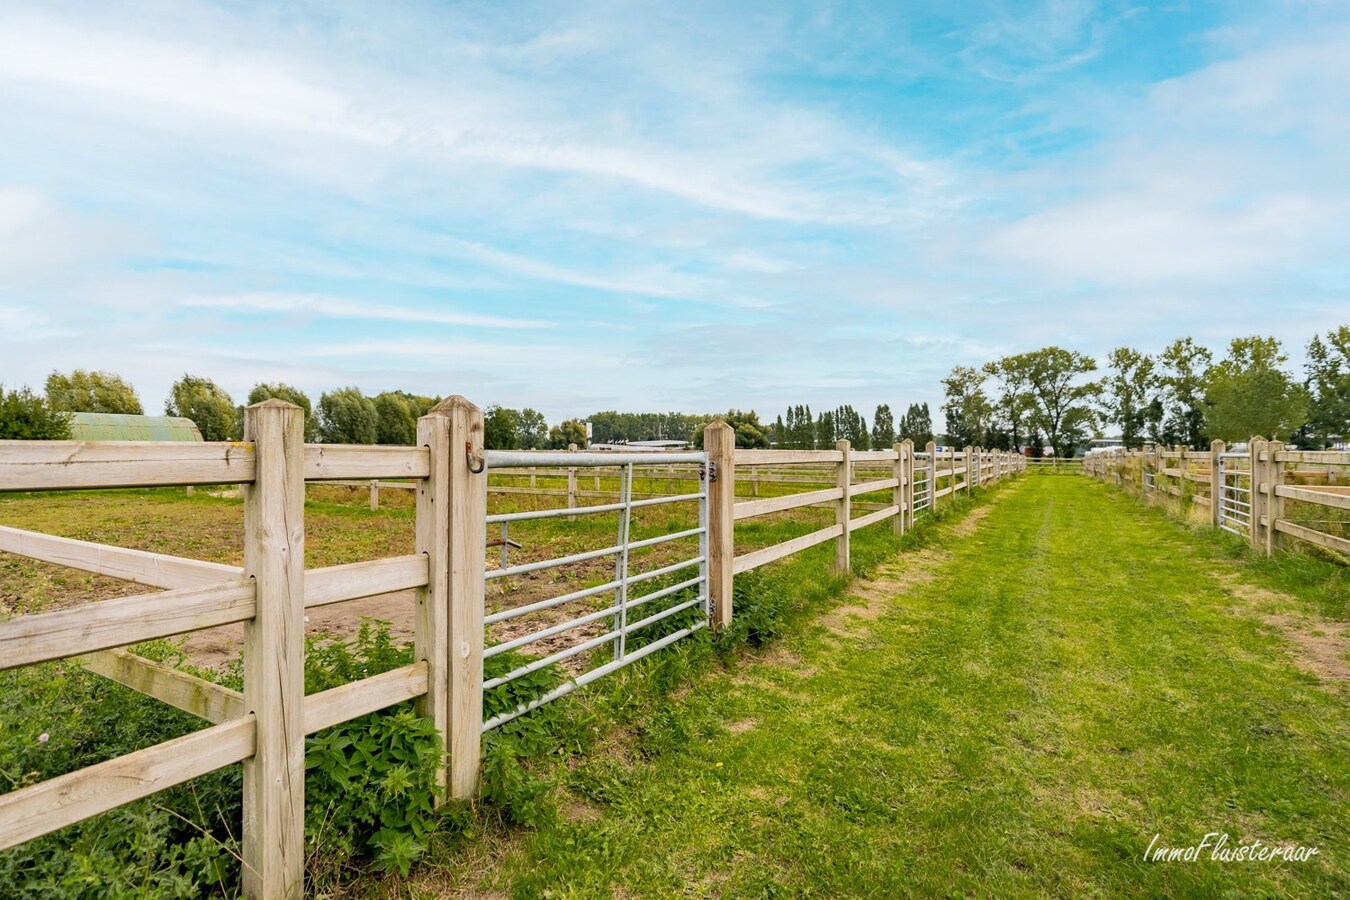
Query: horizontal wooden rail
pixel 105 624
pixel 140 566
pixel 777 457
pixel 870 487
pixel 747 509
pixel 349 701
pixel 871 518
pixel 1334 497
pixel 57 802
pixel 757 558
pixel 203 699
pixel 336 462
pixel 866 456
pixel 79 465
pixel 352 581
pixel 1303 533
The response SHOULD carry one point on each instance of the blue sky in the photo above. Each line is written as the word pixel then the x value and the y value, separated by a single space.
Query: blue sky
pixel 579 206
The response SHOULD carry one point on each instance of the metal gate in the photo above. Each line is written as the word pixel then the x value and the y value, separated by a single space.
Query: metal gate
pixel 1235 494
pixel 633 602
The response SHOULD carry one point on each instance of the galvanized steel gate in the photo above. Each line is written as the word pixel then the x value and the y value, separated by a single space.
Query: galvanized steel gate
pixel 681 594
pixel 1235 494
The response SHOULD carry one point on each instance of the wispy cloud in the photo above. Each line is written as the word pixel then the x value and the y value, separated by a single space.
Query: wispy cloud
pixel 338 308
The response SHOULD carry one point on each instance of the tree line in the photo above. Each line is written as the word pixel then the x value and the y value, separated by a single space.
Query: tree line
pixel 798 429
pixel 1180 395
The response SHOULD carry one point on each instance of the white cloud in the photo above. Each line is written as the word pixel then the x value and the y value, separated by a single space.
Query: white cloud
pixel 340 308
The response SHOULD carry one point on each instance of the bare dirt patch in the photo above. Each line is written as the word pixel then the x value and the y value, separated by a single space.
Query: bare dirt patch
pixel 1320 646
pixel 1323 648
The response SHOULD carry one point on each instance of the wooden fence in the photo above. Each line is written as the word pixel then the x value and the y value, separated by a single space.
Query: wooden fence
pixel 1284 489
pixel 264 726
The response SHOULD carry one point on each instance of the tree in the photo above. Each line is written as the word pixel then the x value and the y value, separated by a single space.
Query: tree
pixel 25 416
pixel 346 416
pixel 1182 365
pixel 1248 393
pixel 883 427
pixel 205 403
pixel 967 407
pixel 1011 404
pixel 533 429
pixel 827 431
pixel 93 392
pixel 917 425
pixel 291 394
pixel 1328 385
pixel 751 434
pixel 569 431
pixel 395 422
pixel 779 433
pixel 1061 400
pixel 501 428
pixel 1128 389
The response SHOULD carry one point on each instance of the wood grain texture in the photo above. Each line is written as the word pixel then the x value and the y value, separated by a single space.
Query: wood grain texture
pixel 720 442
pixel 431 623
pixel 274 688
pixel 203 699
pixel 468 534
pixel 757 558
pixel 746 509
pixel 74 465
pixel 105 624
pixel 57 802
pixel 151 569
pixel 842 511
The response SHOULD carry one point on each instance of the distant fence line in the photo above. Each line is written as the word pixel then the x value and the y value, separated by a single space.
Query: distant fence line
pixel 1251 492
pixel 265 725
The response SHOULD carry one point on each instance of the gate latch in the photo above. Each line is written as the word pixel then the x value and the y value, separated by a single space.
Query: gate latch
pixel 708 471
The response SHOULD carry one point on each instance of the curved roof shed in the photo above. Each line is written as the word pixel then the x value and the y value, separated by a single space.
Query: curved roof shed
pixel 114 427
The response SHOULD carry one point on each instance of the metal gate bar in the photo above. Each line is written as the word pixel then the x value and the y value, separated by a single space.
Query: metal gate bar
pixel 620 587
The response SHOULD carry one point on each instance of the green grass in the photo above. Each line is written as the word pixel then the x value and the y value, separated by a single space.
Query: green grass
pixel 1037 700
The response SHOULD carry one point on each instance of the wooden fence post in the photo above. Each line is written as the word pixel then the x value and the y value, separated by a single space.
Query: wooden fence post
pixel 374 494
pixel 431 623
pixel 932 477
pixel 467 538
pixel 720 441
pixel 1257 496
pixel 1274 502
pixel 1216 448
pixel 274 648
pixel 900 494
pixel 971 470
pixel 843 506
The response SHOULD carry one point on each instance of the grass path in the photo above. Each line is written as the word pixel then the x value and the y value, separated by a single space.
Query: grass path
pixel 1015 711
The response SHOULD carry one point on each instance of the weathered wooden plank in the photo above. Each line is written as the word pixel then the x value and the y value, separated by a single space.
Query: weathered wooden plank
pixel 757 558
pixel 105 624
pixel 1338 497
pixel 869 487
pixel 1322 539
pixel 142 567
pixel 778 457
pixel 879 515
pixel 746 509
pixel 346 702
pixel 720 441
pixel 431 622
pixel 79 465
pixel 274 686
pixel 57 802
pixel 204 699
pixel 468 534
pixel 1325 457
pixel 336 462
pixel 872 456
pixel 352 581
pixel 842 510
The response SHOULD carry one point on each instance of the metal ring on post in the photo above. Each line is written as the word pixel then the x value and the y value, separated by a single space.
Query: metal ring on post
pixel 482 459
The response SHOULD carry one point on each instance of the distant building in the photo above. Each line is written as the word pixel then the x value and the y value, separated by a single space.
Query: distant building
pixel 116 427
pixel 649 446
